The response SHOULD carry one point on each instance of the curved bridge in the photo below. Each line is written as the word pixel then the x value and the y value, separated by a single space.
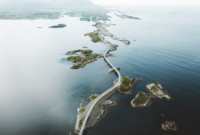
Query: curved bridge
pixel 105 92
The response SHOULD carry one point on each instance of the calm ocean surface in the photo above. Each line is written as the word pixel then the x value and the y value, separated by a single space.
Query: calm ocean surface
pixel 39 93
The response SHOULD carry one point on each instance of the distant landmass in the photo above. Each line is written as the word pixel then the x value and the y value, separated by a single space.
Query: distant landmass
pixel 45 4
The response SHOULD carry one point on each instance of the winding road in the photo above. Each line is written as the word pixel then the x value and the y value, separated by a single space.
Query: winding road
pixel 105 92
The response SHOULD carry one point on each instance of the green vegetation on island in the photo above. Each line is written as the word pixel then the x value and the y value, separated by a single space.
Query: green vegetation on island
pixel 94 36
pixel 126 85
pixel 58 26
pixel 80 50
pixel 156 89
pixel 140 99
pixel 93 96
pixel 82 110
pixel 81 60
pixel 80 123
pixel 30 15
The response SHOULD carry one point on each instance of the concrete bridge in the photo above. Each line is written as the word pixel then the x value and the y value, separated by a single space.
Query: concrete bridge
pixel 113 88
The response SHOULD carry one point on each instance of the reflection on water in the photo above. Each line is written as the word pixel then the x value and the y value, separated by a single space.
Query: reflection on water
pixel 40 93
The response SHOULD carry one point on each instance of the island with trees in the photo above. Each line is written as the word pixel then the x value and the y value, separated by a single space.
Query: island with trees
pixel 140 100
pixel 94 36
pixel 85 57
pixel 127 85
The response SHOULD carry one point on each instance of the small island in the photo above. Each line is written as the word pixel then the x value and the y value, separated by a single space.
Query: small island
pixel 127 85
pixel 106 33
pixel 169 126
pixel 58 26
pixel 157 90
pixel 94 36
pixel 140 100
pixel 85 57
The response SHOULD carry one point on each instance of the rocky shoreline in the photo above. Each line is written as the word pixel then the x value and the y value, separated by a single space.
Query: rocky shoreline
pixel 169 126
pixel 130 84
pixel 139 102
pixel 98 112
pixel 106 33
pixel 157 90
pixel 84 58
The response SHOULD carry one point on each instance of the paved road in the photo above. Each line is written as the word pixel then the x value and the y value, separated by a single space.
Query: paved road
pixel 105 92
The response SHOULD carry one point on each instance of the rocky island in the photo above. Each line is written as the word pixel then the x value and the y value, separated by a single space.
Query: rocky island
pixel 127 85
pixel 85 57
pixel 140 100
pixel 106 33
pixel 169 126
pixel 157 90
pixel 58 26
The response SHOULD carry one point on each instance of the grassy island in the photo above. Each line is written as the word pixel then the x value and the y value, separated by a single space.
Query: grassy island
pixel 126 85
pixel 140 100
pixel 81 60
pixel 94 36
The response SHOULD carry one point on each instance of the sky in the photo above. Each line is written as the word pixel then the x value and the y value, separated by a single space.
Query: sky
pixel 104 2
pixel 148 2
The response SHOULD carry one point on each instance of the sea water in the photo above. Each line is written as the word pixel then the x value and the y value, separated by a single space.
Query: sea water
pixel 39 93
